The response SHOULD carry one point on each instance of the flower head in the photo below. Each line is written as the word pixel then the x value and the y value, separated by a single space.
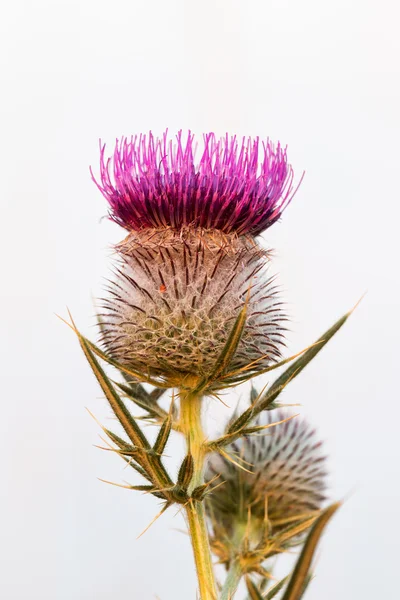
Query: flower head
pixel 287 478
pixel 175 298
pixel 235 186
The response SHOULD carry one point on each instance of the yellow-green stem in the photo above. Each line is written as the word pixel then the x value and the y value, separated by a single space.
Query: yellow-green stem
pixel 191 427
pixel 235 572
pixel 232 580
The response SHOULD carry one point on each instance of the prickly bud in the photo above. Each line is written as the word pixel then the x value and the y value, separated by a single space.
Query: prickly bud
pixel 176 296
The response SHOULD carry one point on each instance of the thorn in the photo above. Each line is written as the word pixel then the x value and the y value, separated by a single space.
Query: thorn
pixel 259 396
pixel 164 508
pixel 230 459
pixel 127 487
pixel 258 428
pixel 94 418
pixel 66 322
pixel 180 530
pixel 357 303
pixel 216 396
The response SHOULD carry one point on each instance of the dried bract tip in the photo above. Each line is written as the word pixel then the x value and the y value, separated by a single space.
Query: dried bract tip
pixel 175 298
pixel 287 476
pixel 240 186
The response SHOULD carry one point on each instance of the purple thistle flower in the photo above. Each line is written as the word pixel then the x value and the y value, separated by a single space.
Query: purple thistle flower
pixel 235 187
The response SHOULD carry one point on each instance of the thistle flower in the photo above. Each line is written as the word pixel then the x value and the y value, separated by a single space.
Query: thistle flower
pixel 236 186
pixel 176 296
pixel 287 477
pixel 190 262
pixel 192 306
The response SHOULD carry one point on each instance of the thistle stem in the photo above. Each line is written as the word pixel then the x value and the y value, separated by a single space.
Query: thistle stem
pixel 232 580
pixel 235 572
pixel 192 429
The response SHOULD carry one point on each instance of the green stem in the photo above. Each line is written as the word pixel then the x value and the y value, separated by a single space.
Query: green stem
pixel 232 580
pixel 193 431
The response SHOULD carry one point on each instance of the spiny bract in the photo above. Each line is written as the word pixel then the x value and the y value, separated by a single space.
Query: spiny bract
pixel 175 298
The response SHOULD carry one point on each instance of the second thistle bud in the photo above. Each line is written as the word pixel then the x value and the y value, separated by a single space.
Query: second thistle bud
pixel 277 477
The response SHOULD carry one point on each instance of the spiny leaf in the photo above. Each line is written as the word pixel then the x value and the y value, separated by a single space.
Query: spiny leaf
pixel 186 471
pixel 241 421
pixel 274 590
pixel 259 428
pixel 234 431
pixel 125 449
pixel 129 424
pixel 152 465
pixel 163 435
pixel 155 394
pixel 200 491
pixel 143 488
pixel 254 593
pixel 228 351
pixel 298 527
pixel 253 394
pixel 306 584
pixel 125 370
pixel 295 587
pixel 298 365
pixel 152 408
pixel 236 379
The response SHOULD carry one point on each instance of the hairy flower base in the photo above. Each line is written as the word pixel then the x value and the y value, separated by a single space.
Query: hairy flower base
pixel 176 296
pixel 287 475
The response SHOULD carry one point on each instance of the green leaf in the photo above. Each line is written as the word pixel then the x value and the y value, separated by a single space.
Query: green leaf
pixel 125 447
pixel 147 404
pixel 186 471
pixel 143 488
pixel 241 421
pixel 306 584
pixel 297 581
pixel 233 380
pixel 297 366
pixel 155 394
pixel 274 590
pixel 223 360
pixel 200 491
pixel 129 424
pixel 151 464
pixel 254 593
pixel 122 368
pixel 267 400
pixel 253 394
pixel 234 431
pixel 163 436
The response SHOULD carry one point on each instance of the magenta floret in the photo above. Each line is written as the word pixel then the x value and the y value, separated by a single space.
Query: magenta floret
pixel 235 186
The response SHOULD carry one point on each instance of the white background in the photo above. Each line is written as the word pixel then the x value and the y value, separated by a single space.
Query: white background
pixel 322 77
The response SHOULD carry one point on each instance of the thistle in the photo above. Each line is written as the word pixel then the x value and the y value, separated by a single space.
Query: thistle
pixel 284 478
pixel 265 492
pixel 193 308
pixel 190 262
pixel 175 298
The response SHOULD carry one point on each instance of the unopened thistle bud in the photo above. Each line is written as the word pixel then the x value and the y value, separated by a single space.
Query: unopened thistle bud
pixel 283 475
pixel 190 262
